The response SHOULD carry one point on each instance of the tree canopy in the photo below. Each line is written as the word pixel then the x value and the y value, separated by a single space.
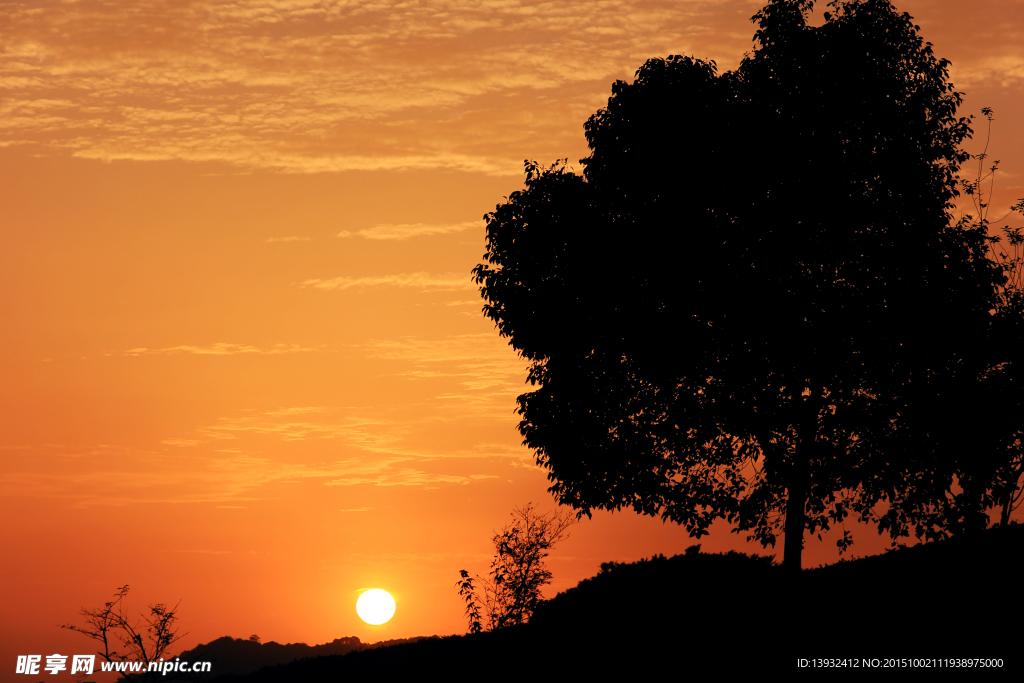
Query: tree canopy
pixel 745 306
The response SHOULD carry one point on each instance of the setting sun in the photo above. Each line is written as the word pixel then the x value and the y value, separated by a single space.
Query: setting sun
pixel 375 606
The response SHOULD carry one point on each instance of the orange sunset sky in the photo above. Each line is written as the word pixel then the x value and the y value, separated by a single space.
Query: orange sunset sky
pixel 242 361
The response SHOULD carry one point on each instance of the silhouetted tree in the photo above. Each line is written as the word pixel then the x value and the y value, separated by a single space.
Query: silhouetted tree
pixel 467 591
pixel 1009 373
pixel 513 587
pixel 145 639
pixel 746 305
pixel 998 400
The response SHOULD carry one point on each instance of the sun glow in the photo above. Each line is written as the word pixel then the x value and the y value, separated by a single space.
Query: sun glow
pixel 375 606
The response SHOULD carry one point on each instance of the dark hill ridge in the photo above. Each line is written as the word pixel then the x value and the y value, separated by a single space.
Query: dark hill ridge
pixel 733 613
pixel 237 656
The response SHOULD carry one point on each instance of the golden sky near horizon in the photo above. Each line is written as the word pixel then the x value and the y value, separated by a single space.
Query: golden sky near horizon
pixel 243 361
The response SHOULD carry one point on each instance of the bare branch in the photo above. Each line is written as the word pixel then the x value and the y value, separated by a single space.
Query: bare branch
pixel 113 621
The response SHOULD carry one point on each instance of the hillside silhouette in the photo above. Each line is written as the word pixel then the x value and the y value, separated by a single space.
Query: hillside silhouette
pixel 728 612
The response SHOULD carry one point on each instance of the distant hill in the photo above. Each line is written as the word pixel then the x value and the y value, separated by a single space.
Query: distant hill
pixel 235 656
pixel 709 614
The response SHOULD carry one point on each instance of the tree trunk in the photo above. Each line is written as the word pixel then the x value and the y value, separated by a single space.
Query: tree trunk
pixel 973 511
pixel 796 517
pixel 797 490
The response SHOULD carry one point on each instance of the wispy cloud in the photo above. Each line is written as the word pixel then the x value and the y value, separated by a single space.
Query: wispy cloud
pixel 1006 70
pixel 221 349
pixel 115 476
pixel 404 231
pixel 487 370
pixel 227 151
pixel 443 282
pixel 306 86
pixel 365 432
pixel 181 442
pixel 301 410
pixel 466 380
pixel 403 477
